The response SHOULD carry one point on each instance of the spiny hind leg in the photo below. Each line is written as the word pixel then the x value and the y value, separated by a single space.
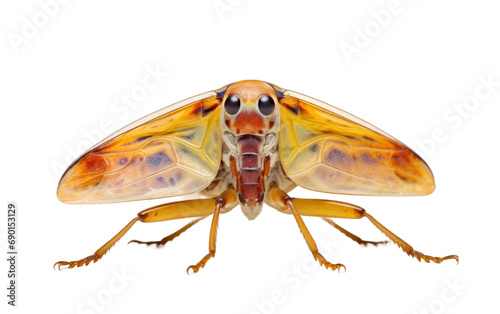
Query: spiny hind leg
pixel 170 211
pixel 286 204
pixel 352 236
pixel 170 237
pixel 335 209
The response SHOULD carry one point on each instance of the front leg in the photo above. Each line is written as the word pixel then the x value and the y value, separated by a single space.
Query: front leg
pixel 287 204
pixel 226 201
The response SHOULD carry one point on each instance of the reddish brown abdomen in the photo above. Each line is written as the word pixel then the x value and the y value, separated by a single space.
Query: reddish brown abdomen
pixel 250 183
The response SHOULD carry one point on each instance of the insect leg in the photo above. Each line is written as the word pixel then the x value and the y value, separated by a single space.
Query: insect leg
pixel 287 205
pixel 100 252
pixel 169 238
pixel 226 201
pixel 335 209
pixel 352 236
pixel 170 211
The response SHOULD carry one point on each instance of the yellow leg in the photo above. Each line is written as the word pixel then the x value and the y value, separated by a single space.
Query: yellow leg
pixel 283 201
pixel 100 252
pixel 170 211
pixel 335 209
pixel 352 236
pixel 226 200
pixel 169 238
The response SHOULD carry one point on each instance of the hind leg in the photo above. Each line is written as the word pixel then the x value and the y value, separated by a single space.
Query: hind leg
pixel 351 236
pixel 170 237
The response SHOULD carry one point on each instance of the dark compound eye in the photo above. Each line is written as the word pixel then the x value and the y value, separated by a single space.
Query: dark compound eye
pixel 266 105
pixel 232 104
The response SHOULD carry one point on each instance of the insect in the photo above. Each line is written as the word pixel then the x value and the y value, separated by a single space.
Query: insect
pixel 248 143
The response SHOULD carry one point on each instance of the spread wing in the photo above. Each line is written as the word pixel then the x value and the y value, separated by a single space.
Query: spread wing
pixel 174 151
pixel 328 150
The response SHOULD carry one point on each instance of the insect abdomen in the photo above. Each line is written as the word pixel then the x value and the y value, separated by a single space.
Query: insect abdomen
pixel 250 180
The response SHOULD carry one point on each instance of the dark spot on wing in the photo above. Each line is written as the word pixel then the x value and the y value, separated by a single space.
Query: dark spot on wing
pixel 369 138
pixel 171 181
pixel 136 159
pixel 336 157
pixel 395 159
pixel 158 160
pixel 122 161
pixel 228 123
pixel 142 138
pixel 314 148
pixel 368 159
pixel 196 109
pixel 209 109
pixel 271 124
pixel 350 137
pixel 160 179
pixel 403 178
pixel 189 136
pixel 293 109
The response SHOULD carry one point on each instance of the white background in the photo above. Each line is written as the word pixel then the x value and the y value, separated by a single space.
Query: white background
pixel 411 65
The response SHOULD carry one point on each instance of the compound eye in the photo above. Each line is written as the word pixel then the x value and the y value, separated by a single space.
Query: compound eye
pixel 232 104
pixel 266 105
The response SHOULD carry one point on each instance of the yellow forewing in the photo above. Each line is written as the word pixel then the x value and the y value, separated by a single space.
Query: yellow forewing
pixel 325 149
pixel 174 151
